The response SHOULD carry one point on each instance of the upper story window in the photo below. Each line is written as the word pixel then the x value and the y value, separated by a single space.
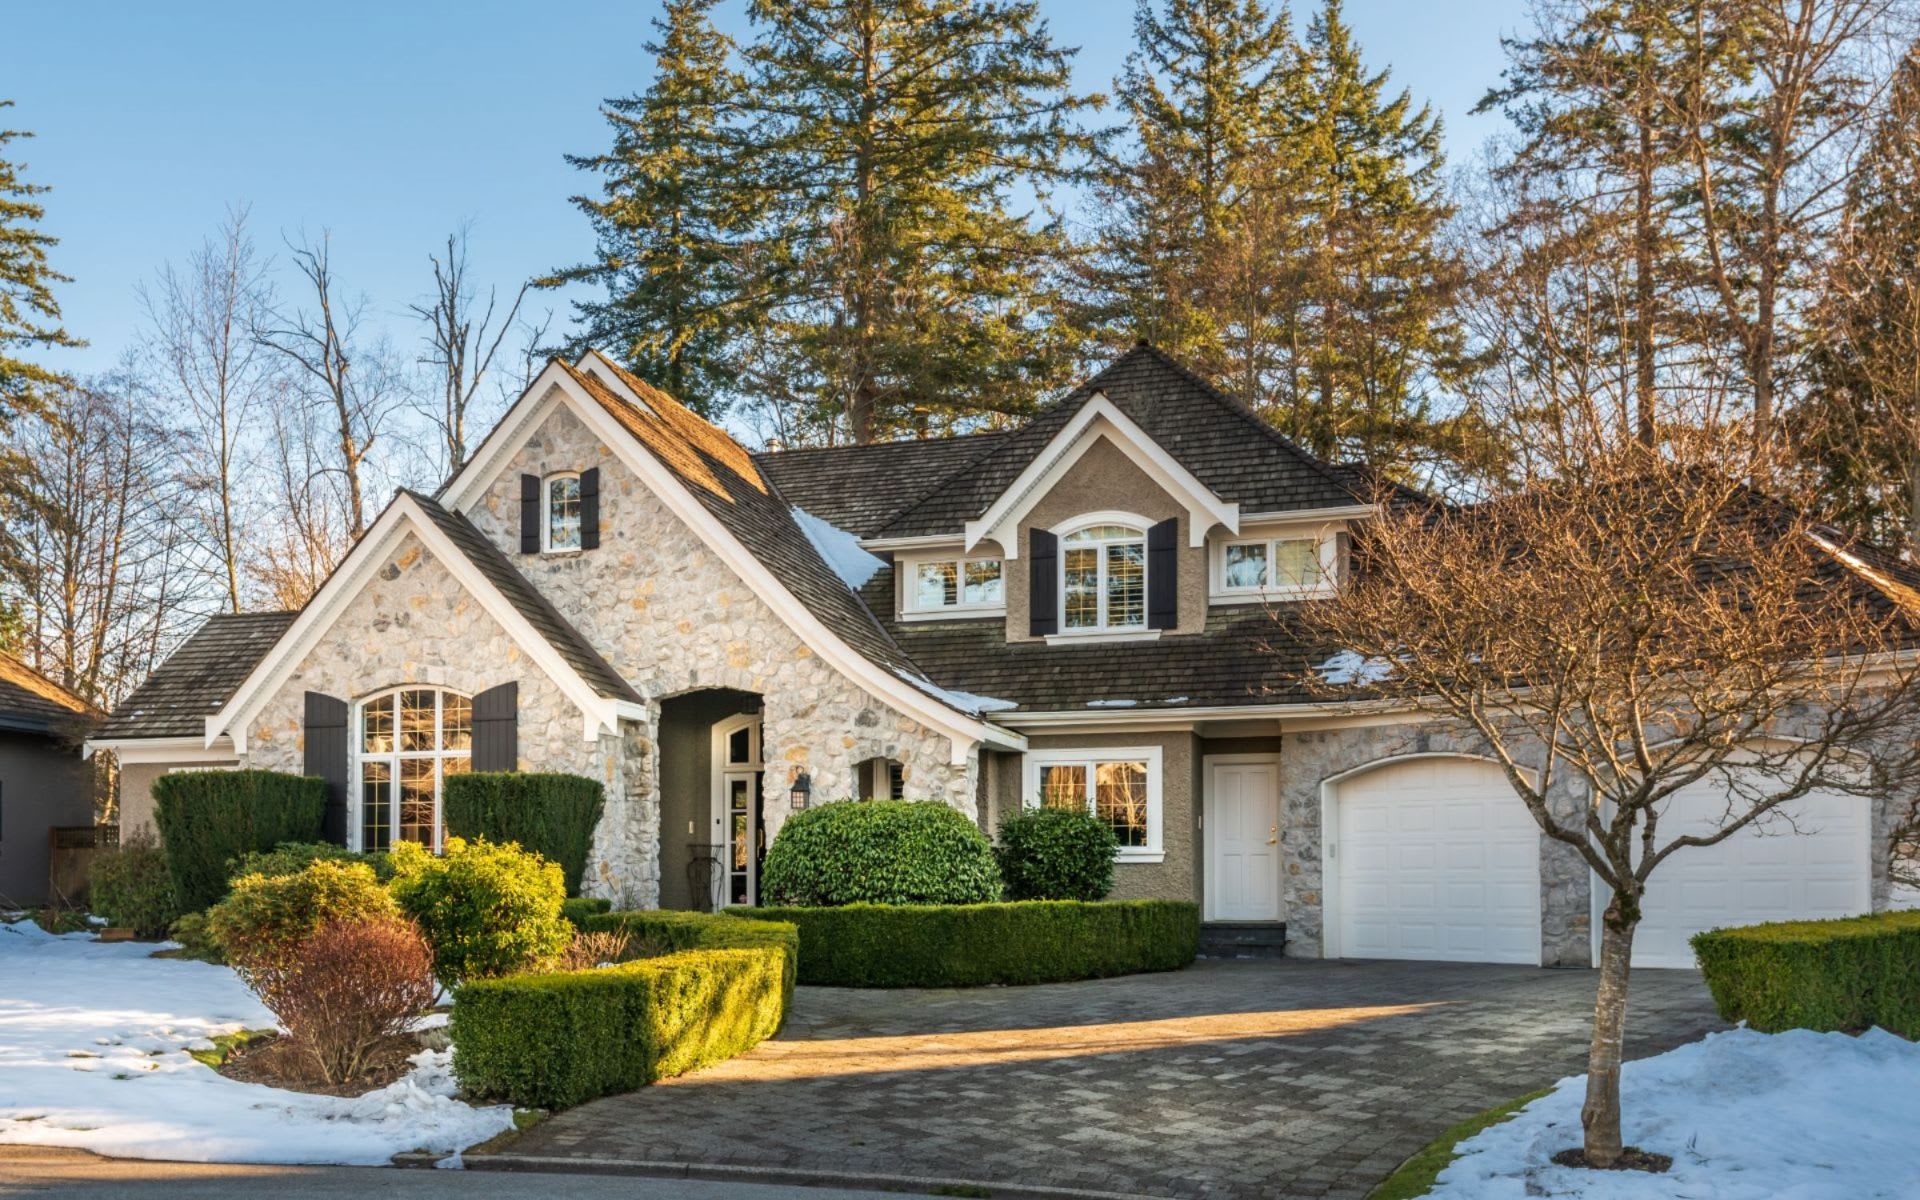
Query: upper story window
pixel 955 585
pixel 1278 567
pixel 411 739
pixel 1103 579
pixel 561 519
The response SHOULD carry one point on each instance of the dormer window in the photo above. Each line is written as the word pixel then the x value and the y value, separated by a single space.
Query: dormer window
pixel 1103 579
pixel 954 586
pixel 561 518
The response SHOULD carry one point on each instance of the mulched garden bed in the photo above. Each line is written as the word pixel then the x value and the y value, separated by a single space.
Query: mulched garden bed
pixel 270 1060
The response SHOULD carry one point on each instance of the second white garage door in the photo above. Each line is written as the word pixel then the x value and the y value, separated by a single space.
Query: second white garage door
pixel 1435 858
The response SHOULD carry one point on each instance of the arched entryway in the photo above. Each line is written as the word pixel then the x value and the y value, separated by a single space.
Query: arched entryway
pixel 711 812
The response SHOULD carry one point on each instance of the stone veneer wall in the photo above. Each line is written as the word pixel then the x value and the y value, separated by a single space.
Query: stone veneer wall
pixel 672 617
pixel 1309 758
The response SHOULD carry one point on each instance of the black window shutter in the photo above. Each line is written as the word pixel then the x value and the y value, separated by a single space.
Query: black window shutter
pixel 496 728
pixel 327 758
pixel 1163 575
pixel 529 514
pixel 590 509
pixel 1043 583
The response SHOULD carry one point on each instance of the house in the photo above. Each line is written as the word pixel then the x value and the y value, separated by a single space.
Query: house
pixel 44 782
pixel 1093 608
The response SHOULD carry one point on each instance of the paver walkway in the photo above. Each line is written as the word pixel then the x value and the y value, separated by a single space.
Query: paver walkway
pixel 1273 1079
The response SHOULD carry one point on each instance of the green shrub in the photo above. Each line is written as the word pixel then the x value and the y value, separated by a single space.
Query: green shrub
pixel 1847 975
pixel 670 932
pixel 879 852
pixel 265 918
pixel 486 908
pixel 132 888
pixel 576 909
pixel 555 1040
pixel 196 940
pixel 967 945
pixel 1055 854
pixel 291 858
pixel 207 819
pixel 552 815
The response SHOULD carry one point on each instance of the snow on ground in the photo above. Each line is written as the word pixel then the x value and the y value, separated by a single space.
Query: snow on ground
pixel 93 1054
pixel 1745 1115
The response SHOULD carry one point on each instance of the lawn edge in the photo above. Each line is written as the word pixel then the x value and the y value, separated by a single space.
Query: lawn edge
pixel 1416 1176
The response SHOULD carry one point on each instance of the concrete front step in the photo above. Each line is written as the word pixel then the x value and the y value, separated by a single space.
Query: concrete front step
pixel 1243 939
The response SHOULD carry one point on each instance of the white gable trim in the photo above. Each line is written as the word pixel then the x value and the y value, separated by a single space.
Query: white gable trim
pixel 598 713
pixel 555 387
pixel 1100 417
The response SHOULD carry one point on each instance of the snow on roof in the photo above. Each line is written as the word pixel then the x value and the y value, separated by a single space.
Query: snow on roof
pixel 840 549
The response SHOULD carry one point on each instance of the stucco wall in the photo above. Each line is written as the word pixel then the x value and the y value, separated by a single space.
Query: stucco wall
pixel 1106 480
pixel 42 784
pixel 136 790
pixel 1177 876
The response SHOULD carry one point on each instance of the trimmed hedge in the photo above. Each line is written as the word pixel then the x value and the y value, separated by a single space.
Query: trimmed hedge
pixel 1055 854
pixel 670 932
pixel 556 1040
pixel 208 819
pixel 880 852
pixel 967 945
pixel 291 858
pixel 576 909
pixel 552 815
pixel 1849 974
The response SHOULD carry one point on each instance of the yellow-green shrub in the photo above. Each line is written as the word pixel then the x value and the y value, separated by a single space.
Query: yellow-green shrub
pixel 486 908
pixel 264 918
pixel 1849 974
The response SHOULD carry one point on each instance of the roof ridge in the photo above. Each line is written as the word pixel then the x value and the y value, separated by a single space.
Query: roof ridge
pixel 894 443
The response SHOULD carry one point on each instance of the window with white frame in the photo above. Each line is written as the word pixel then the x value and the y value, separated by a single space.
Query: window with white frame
pixel 1120 786
pixel 1103 579
pixel 955 585
pixel 1282 565
pixel 561 499
pixel 411 740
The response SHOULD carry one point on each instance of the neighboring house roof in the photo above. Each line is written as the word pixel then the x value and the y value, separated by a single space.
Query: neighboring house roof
pixel 32 703
pixel 1241 458
pixel 859 488
pixel 197 679
pixel 527 600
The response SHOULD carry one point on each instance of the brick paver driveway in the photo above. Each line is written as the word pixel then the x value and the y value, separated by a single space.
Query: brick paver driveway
pixel 1272 1079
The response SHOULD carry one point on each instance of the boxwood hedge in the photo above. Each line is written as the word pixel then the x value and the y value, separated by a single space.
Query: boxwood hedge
pixel 553 815
pixel 208 819
pixel 576 909
pixel 880 852
pixel 1849 974
pixel 967 945
pixel 555 1040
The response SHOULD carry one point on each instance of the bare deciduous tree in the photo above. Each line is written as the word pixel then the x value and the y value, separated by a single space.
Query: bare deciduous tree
pixel 458 346
pixel 306 535
pixel 202 319
pixel 1623 632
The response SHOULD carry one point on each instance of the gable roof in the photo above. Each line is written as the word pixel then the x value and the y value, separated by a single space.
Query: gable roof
pixel 859 488
pixel 1231 451
pixel 32 703
pixel 197 678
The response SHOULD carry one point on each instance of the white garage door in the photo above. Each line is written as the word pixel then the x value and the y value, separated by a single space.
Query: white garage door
pixel 1770 874
pixel 1436 858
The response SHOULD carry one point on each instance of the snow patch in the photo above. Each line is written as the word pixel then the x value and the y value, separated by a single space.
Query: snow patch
pixel 966 702
pixel 1112 703
pixel 1745 1115
pixel 1349 666
pixel 94 1041
pixel 840 549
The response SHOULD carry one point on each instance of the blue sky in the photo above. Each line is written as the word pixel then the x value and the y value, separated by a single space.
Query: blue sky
pixel 392 123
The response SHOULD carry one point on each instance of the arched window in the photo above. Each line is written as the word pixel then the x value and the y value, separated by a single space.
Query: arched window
pixel 411 739
pixel 1103 578
pixel 562 504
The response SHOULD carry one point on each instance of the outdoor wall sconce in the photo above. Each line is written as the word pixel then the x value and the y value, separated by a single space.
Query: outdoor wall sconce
pixel 802 791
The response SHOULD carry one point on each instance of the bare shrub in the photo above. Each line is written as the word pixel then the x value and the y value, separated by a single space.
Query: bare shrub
pixel 353 990
pixel 590 950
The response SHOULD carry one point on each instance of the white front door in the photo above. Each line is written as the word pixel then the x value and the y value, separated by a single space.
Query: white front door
pixel 739 835
pixel 1243 840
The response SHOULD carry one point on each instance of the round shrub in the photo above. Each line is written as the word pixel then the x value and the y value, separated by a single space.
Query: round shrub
pixel 265 918
pixel 1055 854
pixel 487 908
pixel 879 852
pixel 291 858
pixel 132 888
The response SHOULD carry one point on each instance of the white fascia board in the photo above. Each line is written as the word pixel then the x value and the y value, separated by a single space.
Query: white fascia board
pixel 1362 712
pixel 1304 516
pixel 134 751
pixel 403 516
pixel 1100 417
pixel 505 439
pixel 961 730
pixel 928 541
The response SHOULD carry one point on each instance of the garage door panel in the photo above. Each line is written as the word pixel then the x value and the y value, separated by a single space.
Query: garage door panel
pixel 1465 877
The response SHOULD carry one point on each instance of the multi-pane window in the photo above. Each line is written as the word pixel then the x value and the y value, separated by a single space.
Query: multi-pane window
pixel 1290 564
pixel 1103 578
pixel 1118 788
pixel 942 584
pixel 563 512
pixel 410 741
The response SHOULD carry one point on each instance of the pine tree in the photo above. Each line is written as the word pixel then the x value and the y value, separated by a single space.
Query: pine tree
pixel 669 218
pixel 904 289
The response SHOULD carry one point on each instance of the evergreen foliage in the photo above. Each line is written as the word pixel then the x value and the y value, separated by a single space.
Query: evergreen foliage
pixel 879 852
pixel 486 909
pixel 552 815
pixel 131 887
pixel 209 819
pixel 1055 854
pixel 291 858
pixel 262 923
pixel 1846 975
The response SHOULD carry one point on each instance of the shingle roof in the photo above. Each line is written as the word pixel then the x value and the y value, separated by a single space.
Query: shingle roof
pixel 527 600
pixel 858 488
pixel 1228 448
pixel 197 678
pixel 32 703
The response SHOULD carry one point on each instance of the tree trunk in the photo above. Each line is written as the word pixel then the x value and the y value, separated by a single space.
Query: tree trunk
pixel 1600 1115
